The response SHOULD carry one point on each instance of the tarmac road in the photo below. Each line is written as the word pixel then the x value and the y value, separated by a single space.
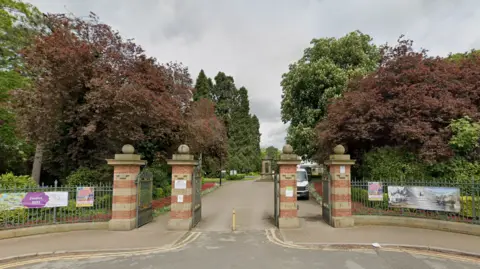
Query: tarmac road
pixel 254 249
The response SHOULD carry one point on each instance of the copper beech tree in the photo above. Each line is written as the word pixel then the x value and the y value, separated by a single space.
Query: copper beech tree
pixel 94 91
pixel 409 101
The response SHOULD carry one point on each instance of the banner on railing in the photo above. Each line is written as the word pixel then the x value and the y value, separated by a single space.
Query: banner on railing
pixel 375 191
pixel 10 201
pixel 85 196
pixel 426 198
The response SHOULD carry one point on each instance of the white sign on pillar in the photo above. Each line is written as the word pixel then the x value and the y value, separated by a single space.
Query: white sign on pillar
pixel 342 169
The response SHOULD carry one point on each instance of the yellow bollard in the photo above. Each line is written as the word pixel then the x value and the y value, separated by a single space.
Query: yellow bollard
pixel 233 220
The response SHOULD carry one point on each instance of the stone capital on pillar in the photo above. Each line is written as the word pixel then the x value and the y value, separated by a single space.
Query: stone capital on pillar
pixel 182 169
pixel 287 164
pixel 126 167
pixel 339 165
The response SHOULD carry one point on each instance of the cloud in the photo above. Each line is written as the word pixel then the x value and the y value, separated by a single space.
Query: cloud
pixel 254 41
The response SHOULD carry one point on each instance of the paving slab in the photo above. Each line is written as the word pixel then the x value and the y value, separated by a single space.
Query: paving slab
pixel 154 234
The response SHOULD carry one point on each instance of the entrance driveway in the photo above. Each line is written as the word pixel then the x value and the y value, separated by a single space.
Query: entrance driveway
pixel 252 201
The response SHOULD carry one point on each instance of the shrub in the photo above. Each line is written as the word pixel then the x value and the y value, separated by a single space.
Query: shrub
pixel 103 201
pixel 459 172
pixel 361 195
pixel 161 178
pixel 9 180
pixel 467 207
pixel 158 193
pixel 393 164
pixel 235 177
pixel 89 177
pixel 11 217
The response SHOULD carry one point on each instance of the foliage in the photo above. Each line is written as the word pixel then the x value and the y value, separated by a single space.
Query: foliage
pixel 467 206
pixel 9 180
pixel 318 77
pixel 236 177
pixel 205 133
pixel 465 135
pixel 232 108
pixel 161 176
pixel 393 164
pixel 89 177
pixel 95 91
pixel 272 152
pixel 203 86
pixel 457 169
pixel 158 193
pixel 19 23
pixel 361 195
pixel 409 102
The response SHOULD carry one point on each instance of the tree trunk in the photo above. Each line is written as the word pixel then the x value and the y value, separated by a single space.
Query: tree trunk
pixel 37 163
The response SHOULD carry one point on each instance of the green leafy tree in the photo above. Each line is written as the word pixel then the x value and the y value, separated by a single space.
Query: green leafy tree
pixel 466 135
pixel 203 86
pixel 321 75
pixel 19 23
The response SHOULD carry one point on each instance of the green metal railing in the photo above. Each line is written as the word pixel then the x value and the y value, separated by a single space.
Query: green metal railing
pixel 13 214
pixel 412 201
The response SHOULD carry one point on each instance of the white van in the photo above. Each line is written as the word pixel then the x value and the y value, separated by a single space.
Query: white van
pixel 302 184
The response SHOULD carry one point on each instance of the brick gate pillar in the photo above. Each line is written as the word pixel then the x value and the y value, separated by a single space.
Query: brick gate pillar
pixel 182 170
pixel 126 167
pixel 288 188
pixel 339 165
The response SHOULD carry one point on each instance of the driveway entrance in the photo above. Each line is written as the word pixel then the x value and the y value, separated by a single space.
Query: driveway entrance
pixel 252 201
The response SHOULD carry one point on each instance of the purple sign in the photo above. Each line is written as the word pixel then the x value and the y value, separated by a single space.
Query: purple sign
pixel 35 200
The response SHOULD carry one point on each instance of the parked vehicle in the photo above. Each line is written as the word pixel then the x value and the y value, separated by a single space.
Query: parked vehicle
pixel 302 184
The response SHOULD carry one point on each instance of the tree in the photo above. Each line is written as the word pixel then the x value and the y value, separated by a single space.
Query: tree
pixel 243 135
pixel 95 91
pixel 410 102
pixel 203 86
pixel 272 152
pixel 19 23
pixel 205 133
pixel 321 75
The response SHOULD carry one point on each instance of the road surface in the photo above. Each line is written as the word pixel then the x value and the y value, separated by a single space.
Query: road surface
pixel 251 250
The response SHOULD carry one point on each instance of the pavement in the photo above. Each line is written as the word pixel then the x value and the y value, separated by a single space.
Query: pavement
pixel 314 232
pixel 255 244
pixel 154 234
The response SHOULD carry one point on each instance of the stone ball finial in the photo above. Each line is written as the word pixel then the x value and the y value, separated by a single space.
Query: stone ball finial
pixel 183 149
pixel 287 149
pixel 339 149
pixel 128 149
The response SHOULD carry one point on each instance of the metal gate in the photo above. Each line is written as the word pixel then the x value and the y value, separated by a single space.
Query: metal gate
pixel 144 183
pixel 197 193
pixel 276 198
pixel 326 189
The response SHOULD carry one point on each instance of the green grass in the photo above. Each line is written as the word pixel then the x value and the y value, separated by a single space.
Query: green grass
pixel 215 180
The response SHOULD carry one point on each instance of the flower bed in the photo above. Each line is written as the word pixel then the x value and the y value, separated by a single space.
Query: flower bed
pixel 318 187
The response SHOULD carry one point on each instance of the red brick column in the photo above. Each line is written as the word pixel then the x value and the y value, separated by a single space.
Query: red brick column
pixel 181 207
pixel 339 165
pixel 288 188
pixel 126 167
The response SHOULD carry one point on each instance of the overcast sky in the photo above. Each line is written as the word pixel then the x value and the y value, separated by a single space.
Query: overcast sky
pixel 255 40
